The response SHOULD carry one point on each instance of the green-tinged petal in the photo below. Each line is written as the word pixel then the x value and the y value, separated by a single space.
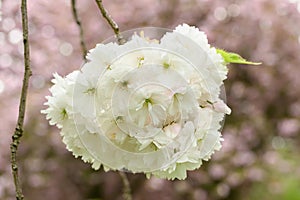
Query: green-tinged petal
pixel 230 57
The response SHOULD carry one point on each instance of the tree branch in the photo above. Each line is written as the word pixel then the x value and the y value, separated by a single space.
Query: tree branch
pixel 76 18
pixel 111 22
pixel 19 126
pixel 126 189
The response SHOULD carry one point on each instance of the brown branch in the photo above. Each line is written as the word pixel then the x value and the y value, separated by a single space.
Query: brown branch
pixel 126 189
pixel 76 18
pixel 110 21
pixel 19 126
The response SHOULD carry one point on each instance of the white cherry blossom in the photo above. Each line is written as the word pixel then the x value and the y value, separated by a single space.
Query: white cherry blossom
pixel 151 105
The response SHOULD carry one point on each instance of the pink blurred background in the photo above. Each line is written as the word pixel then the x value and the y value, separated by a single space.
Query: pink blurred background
pixel 260 154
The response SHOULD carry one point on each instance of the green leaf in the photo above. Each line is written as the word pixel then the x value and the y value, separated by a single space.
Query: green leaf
pixel 230 57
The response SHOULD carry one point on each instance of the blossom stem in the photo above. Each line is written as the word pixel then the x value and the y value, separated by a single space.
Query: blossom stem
pixel 81 35
pixel 18 133
pixel 110 21
pixel 126 190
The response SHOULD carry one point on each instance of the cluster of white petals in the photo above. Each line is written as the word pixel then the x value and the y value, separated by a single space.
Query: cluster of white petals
pixel 150 106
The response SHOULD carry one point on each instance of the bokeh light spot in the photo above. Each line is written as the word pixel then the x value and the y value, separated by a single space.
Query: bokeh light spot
pixel 223 190
pixel 278 142
pixel 220 13
pixel 66 49
pixel 233 10
pixel 48 31
pixel 2 86
pixel 155 184
pixel 282 11
pixel 5 60
pixel 38 82
pixel 31 28
pixel 2 38
pixel 8 24
pixel 289 127
pixel 15 36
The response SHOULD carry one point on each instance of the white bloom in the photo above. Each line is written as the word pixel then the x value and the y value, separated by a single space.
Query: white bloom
pixel 221 107
pixel 146 106
pixel 193 33
pixel 60 103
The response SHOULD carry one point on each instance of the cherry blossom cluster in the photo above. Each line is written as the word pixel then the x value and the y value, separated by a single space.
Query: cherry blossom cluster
pixel 150 105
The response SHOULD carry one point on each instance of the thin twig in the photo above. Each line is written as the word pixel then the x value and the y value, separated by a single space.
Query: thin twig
pixel 76 18
pixel 19 126
pixel 126 188
pixel 110 21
